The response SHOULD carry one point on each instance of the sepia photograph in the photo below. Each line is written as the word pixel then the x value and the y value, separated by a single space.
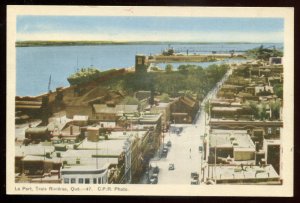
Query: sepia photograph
pixel 172 101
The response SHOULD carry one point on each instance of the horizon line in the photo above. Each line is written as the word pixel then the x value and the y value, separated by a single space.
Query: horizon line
pixel 145 41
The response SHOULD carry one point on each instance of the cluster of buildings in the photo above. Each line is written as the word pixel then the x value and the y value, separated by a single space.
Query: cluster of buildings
pixel 81 150
pixel 243 144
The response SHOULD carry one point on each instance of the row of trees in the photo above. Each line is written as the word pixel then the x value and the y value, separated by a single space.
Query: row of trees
pixel 263 53
pixel 188 78
pixel 260 111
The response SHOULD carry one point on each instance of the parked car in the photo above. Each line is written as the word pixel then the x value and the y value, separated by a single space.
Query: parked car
pixel 155 170
pixel 195 181
pixel 194 175
pixel 195 178
pixel 165 150
pixel 171 166
pixel 154 179
pixel 169 143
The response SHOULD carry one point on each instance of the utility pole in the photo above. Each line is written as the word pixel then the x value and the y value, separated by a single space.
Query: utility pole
pixel 215 174
pixel 49 83
pixel 97 155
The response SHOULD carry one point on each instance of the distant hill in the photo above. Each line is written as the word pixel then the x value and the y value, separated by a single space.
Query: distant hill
pixel 84 43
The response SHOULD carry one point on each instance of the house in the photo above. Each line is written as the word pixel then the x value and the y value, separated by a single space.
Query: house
pixel 80 120
pixel 263 90
pixel 79 109
pixel 184 109
pixel 231 112
pixel 111 113
pixel 83 105
pixel 245 96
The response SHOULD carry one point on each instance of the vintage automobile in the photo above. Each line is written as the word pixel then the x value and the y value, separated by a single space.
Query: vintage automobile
pixel 194 178
pixel 171 166
pixel 195 181
pixel 169 143
pixel 155 170
pixel 154 179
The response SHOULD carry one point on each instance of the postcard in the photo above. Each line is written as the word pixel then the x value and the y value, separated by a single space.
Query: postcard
pixel 168 101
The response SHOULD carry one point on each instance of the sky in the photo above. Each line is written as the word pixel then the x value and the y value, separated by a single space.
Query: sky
pixel 128 28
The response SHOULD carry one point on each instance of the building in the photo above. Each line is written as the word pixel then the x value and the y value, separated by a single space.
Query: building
pixel 235 145
pixel 141 64
pixel 275 60
pixel 93 133
pixel 263 90
pixel 39 133
pixel 268 126
pixel 111 113
pixel 83 104
pixel 184 110
pixel 80 120
pixel 78 174
pixel 34 163
pixel 118 159
pixel 243 174
pixel 231 112
pixel 272 149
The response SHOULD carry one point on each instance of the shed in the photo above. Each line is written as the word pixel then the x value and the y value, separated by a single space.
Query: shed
pixel 60 147
pixel 36 133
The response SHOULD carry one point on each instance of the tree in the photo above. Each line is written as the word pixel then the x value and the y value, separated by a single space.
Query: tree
pixel 169 68
pixel 263 112
pixel 275 108
pixel 278 90
pixel 254 109
pixel 130 101
pixel 207 107
pixel 264 53
pixel 165 98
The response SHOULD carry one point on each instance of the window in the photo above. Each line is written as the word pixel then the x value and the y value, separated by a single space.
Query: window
pixel 66 180
pixel 87 181
pixel 80 181
pixel 95 180
pixel 73 180
pixel 269 131
pixel 140 61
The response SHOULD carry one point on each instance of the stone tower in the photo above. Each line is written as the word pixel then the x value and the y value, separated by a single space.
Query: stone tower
pixel 141 64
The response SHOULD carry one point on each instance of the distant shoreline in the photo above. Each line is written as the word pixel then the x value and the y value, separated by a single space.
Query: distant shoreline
pixel 95 43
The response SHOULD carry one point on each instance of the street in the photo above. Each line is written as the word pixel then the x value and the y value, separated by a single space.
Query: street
pixel 184 152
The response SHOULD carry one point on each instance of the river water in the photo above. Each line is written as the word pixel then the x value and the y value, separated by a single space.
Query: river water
pixel 36 64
